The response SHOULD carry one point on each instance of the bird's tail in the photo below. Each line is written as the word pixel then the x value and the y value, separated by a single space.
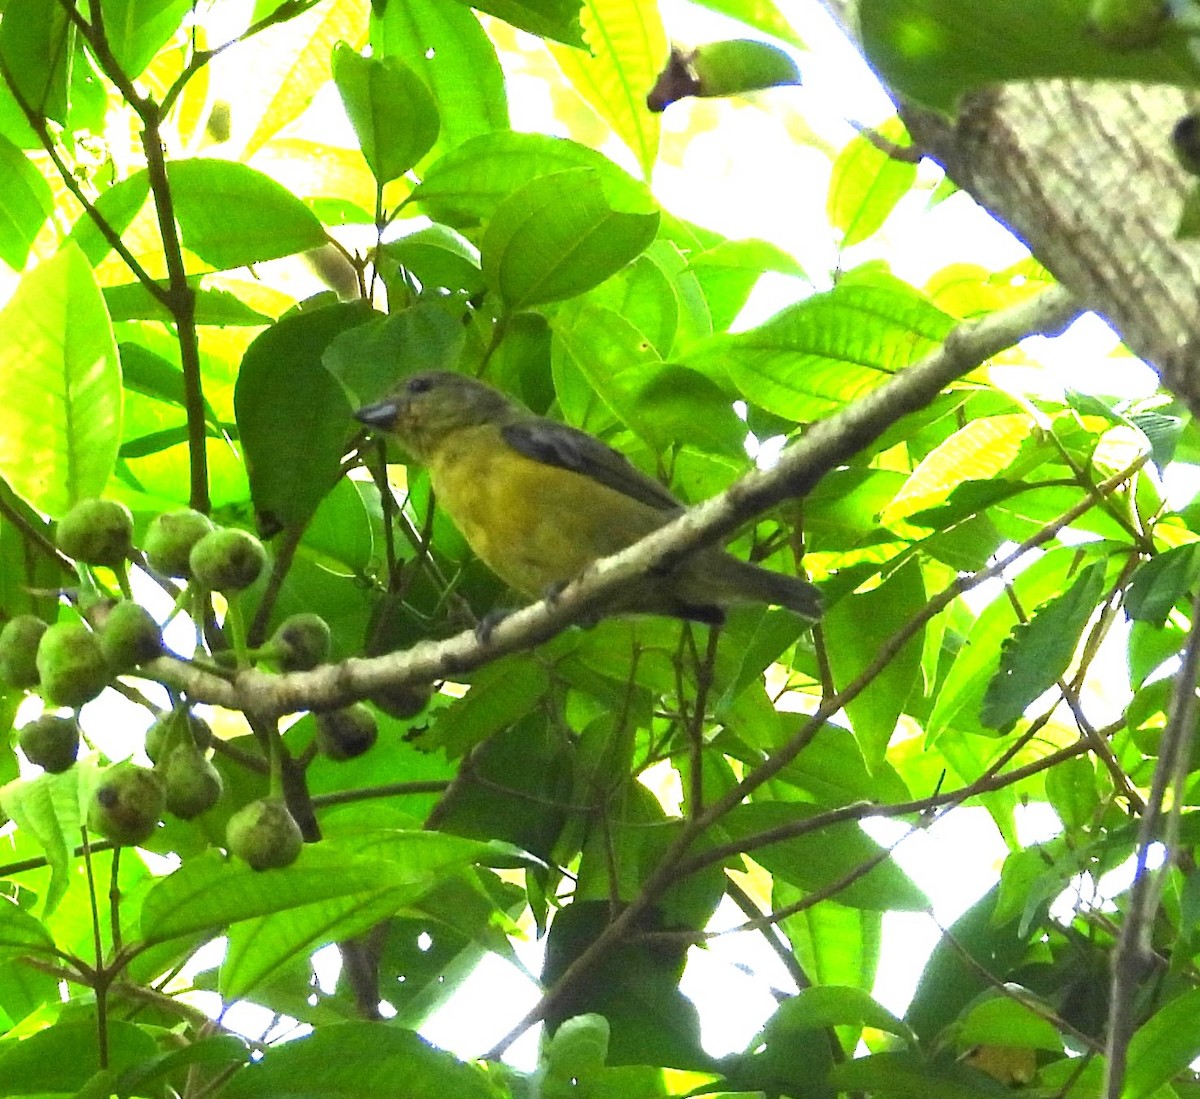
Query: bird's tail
pixel 729 581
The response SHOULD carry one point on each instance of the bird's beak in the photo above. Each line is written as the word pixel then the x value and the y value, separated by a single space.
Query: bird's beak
pixel 382 414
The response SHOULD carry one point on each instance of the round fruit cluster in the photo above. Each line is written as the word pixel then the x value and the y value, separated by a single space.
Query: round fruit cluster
pixel 70 662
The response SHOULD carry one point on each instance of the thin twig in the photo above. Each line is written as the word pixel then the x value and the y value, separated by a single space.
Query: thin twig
pixel 1159 825
pixel 824 446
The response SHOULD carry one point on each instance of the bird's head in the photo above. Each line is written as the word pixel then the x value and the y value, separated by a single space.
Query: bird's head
pixel 424 408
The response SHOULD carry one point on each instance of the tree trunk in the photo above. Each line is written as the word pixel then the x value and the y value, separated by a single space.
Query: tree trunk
pixel 1085 176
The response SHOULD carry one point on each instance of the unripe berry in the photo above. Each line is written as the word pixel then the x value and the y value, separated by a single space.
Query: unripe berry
pixel 50 741
pixel 227 560
pixel 71 666
pixel 302 642
pixel 192 783
pixel 169 730
pixel 346 733
pixel 96 532
pixel 264 834
pixel 18 651
pixel 126 804
pixel 129 637
pixel 170 538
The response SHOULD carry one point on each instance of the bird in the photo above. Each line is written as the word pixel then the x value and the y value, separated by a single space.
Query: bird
pixel 538 501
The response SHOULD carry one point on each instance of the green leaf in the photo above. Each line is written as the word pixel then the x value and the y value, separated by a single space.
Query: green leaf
pixel 132 301
pixel 579 1047
pixel 1036 654
pixel 983 950
pixel 25 204
pixel 214 1051
pixel 145 373
pixel 517 780
pixel 263 945
pixel 60 386
pixel 211 892
pixel 464 187
pixel 231 215
pixel 761 14
pixel 560 235
pixel 1071 790
pixel 628 45
pixel 867 184
pixel 727 272
pixel 61 1058
pixel 137 29
pixel 51 71
pixel 556 19
pixel 370 359
pixel 818 1008
pixel 447 48
pixel 1161 582
pixel 832 943
pixel 47 811
pixel 832 771
pixel 817 859
pixel 824 352
pixel 390 108
pixel 979 451
pixel 637 990
pixel 910 1076
pixel 856 628
pixel 293 416
pixel 415 862
pixel 117 206
pixel 1164 1046
pixel 938 50
pixel 20 932
pixel 360 1059
pixel 1006 1020
pixel 500 694
pixel 438 257
pixel 961 693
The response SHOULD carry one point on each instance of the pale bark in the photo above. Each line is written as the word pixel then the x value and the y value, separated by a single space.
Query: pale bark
pixel 1085 176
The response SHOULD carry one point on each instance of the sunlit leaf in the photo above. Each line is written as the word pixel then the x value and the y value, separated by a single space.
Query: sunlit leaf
pixel 60 386
pixel 628 46
pixel 446 47
pixel 390 108
pixel 560 235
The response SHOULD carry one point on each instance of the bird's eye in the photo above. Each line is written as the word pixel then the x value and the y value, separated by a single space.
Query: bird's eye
pixel 420 384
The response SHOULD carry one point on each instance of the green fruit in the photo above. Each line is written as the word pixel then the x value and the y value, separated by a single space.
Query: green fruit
pixel 169 730
pixel 403 702
pixel 192 783
pixel 126 804
pixel 302 642
pixel 170 538
pixel 18 651
pixel 97 532
pixel 741 65
pixel 227 560
pixel 71 665
pixel 51 742
pixel 264 834
pixel 346 733
pixel 129 636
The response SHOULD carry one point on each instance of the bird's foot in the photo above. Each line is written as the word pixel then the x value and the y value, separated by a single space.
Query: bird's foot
pixel 488 623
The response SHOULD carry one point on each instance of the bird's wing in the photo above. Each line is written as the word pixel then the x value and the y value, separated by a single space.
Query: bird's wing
pixel 569 448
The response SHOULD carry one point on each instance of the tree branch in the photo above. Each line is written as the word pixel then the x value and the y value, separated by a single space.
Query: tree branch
pixel 824 446
pixel 1159 825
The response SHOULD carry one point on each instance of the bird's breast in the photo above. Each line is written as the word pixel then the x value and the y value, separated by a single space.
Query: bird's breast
pixel 535 525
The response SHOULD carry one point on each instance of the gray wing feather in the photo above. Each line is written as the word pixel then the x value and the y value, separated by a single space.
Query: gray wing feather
pixel 569 448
